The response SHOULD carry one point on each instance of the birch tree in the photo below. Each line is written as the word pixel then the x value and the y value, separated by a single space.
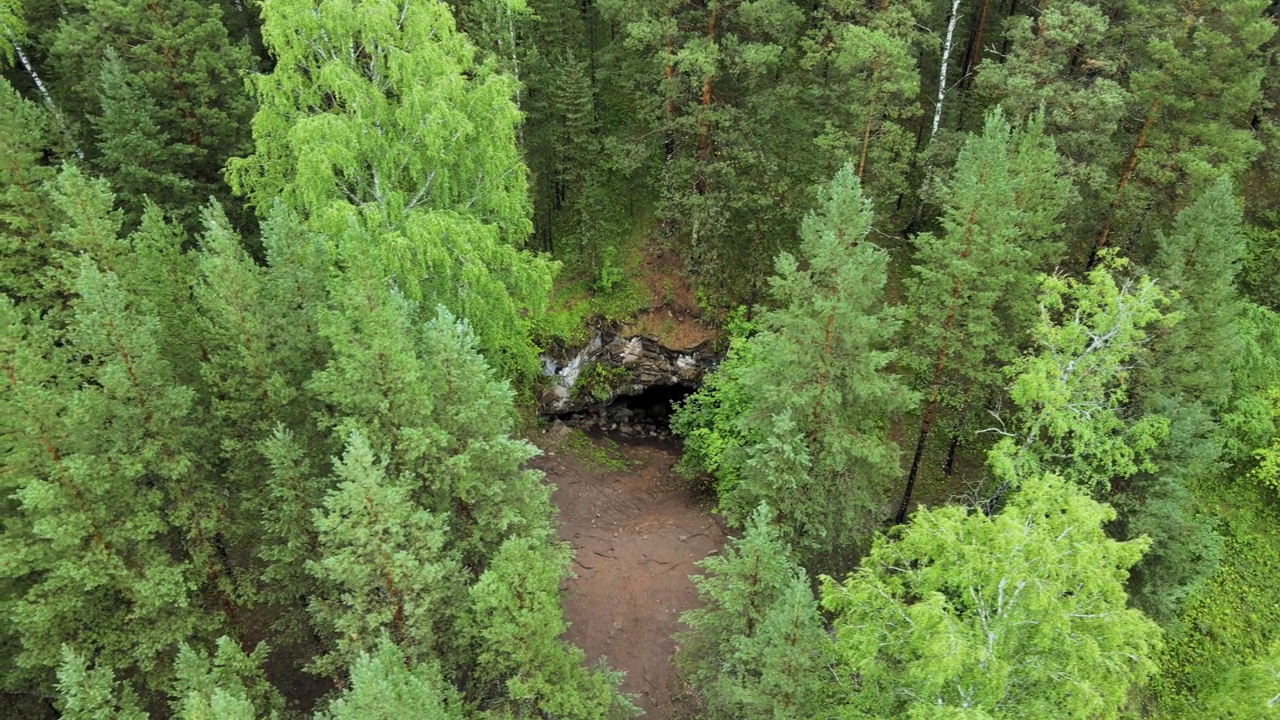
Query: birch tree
pixel 1016 615
pixel 348 134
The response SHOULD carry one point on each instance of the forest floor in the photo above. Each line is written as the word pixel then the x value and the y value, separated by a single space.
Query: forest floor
pixel 636 529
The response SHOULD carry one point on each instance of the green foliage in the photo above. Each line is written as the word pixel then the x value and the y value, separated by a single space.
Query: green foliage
pixel 1000 209
pixel 384 687
pixel 1252 691
pixel 291 435
pixel 12 26
pixel 1268 469
pixel 1199 259
pixel 1064 62
pixel 601 453
pixel 92 473
pixel 425 177
pixel 868 100
pixel 757 648
pixel 1071 395
pixel 1228 623
pixel 1258 266
pixel 600 381
pixel 707 420
pixel 517 637
pixel 1019 614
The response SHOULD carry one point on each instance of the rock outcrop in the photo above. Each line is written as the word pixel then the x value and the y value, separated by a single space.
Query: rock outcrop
pixel 612 366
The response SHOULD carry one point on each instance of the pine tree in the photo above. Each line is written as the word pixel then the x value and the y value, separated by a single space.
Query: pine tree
pixel 722 103
pixel 814 386
pixel 229 685
pixel 868 99
pixel 93 473
pixel 1000 211
pixel 383 687
pixel 1183 60
pixel 516 621
pixel 381 567
pixel 756 649
pixel 93 693
pixel 1020 614
pixel 1064 62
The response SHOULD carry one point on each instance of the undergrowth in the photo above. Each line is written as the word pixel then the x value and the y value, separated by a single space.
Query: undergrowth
pixel 602 453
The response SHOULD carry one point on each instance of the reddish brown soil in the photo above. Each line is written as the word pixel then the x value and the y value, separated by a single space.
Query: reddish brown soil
pixel 636 534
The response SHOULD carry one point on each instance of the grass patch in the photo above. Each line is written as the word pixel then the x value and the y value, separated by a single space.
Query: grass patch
pixel 602 454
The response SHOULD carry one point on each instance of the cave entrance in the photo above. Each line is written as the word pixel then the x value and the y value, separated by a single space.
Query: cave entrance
pixel 653 406
pixel 646 414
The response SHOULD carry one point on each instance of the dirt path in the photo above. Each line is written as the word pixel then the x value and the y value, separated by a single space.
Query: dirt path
pixel 636 533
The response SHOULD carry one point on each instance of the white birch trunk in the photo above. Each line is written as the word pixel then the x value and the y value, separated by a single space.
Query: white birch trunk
pixel 947 45
pixel 44 92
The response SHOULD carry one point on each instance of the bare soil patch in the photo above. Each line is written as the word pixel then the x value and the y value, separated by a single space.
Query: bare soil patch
pixel 636 530
pixel 672 316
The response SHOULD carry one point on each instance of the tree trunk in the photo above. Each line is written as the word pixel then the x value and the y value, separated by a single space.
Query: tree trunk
pixel 975 42
pixel 866 141
pixel 947 44
pixel 866 130
pixel 1125 176
pixel 949 467
pixel 704 130
pixel 935 387
pixel 44 92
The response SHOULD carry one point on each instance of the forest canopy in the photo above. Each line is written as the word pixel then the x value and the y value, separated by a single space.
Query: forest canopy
pixel 993 288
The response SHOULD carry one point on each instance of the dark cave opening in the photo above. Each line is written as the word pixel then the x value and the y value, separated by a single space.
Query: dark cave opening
pixel 643 414
pixel 653 406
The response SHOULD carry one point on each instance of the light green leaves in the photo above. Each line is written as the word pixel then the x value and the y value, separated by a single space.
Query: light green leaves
pixel 1020 615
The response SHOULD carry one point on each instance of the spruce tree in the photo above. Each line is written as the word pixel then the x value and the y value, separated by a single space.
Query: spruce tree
pixel 1189 380
pixel 26 218
pixel 756 649
pixel 141 158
